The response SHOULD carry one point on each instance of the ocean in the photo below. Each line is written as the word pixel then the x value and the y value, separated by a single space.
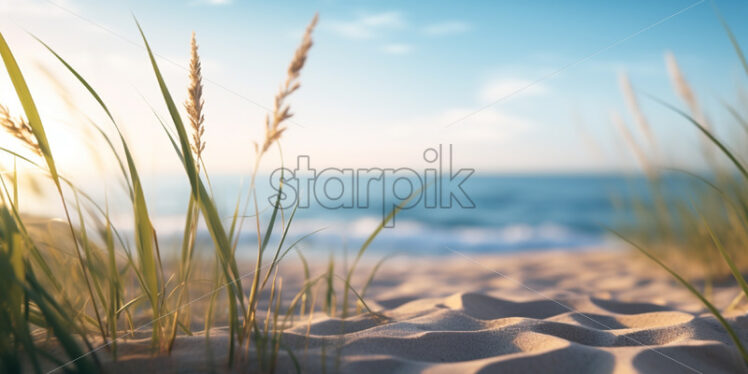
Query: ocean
pixel 510 213
pixel 506 213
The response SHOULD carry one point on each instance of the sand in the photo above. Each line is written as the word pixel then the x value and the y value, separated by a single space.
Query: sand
pixel 547 312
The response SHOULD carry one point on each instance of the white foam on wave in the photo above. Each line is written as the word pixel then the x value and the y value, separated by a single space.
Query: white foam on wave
pixel 408 235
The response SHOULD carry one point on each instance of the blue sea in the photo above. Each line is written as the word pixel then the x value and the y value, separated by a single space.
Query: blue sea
pixel 511 213
pixel 508 213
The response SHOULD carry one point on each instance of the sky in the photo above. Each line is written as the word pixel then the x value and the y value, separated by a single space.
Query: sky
pixel 515 87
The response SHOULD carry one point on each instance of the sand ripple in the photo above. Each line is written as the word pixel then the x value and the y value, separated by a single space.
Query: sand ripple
pixel 475 333
pixel 597 313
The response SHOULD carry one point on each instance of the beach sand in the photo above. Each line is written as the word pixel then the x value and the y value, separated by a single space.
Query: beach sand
pixel 543 312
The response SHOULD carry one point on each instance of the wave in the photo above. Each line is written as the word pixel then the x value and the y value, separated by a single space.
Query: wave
pixel 406 236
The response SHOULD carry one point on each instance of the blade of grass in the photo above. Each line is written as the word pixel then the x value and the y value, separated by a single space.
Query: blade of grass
pixel 358 296
pixel 368 242
pixel 276 256
pixel 373 273
pixel 307 294
pixel 732 37
pixel 330 294
pixel 35 122
pixel 730 331
pixel 56 322
pixel 256 288
pixel 708 134
pixel 115 289
pixel 210 213
pixel 144 232
pixel 733 268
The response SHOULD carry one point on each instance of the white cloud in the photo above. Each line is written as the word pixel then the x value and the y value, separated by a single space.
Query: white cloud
pixel 397 49
pixel 368 26
pixel 498 89
pixel 446 28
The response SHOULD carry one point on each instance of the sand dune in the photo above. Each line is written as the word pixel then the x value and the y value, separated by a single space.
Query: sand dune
pixel 597 312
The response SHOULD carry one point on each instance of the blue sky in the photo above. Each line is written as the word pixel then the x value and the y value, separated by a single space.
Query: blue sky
pixel 385 78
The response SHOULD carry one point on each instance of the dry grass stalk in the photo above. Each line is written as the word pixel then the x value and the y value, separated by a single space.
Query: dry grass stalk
pixel 20 129
pixel 281 111
pixel 633 145
pixel 683 89
pixel 195 102
pixel 635 109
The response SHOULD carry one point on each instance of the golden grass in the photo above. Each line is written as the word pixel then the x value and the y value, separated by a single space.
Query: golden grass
pixel 708 228
pixel 129 284
pixel 195 102
pixel 683 88
pixel 633 105
pixel 20 129
pixel 281 111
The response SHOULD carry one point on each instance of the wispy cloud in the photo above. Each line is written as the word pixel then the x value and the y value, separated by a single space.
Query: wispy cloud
pixel 368 26
pixel 446 28
pixel 497 89
pixel 397 49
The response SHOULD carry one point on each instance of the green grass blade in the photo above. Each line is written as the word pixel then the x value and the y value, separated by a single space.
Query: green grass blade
pixel 256 287
pixel 330 294
pixel 101 103
pixel 358 296
pixel 732 37
pixel 276 256
pixel 271 224
pixel 75 189
pixel 733 268
pixel 308 284
pixel 174 112
pixel 29 107
pixel 374 272
pixel 57 324
pixel 708 134
pixel 368 242
pixel 295 243
pixel 695 292
pixel 115 289
pixel 742 121
pixel 144 233
pixel 15 183
pixel 308 293
pixel 741 211
pixel 37 128
pixel 210 213
pixel 199 192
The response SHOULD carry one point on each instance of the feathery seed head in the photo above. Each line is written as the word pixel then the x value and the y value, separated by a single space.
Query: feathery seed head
pixel 20 129
pixel 195 102
pixel 281 111
pixel 682 88
pixel 633 104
